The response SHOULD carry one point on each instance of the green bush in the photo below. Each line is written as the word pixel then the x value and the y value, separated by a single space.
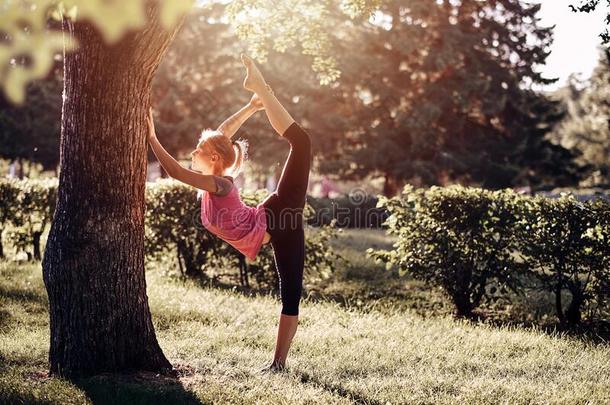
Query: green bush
pixel 27 208
pixel 566 244
pixel 9 192
pixel 454 238
pixel 173 229
pixel 173 226
pixel 476 243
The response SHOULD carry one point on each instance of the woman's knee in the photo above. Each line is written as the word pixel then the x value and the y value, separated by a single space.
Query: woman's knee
pixel 291 297
pixel 291 307
pixel 298 137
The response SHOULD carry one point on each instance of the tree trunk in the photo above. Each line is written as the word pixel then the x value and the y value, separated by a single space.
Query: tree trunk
pixel 20 170
pixel 390 187
pixel 558 289
pixel 1 245
pixel 463 306
pixel 573 314
pixel 94 260
pixel 243 271
pixel 191 267
pixel 461 294
pixel 36 244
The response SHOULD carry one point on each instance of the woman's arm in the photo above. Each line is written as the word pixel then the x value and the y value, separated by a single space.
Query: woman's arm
pixel 172 167
pixel 234 122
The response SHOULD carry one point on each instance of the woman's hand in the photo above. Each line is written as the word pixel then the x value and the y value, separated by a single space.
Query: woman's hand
pixel 256 102
pixel 151 125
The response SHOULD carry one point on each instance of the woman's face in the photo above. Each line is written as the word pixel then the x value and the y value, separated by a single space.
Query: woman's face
pixel 203 159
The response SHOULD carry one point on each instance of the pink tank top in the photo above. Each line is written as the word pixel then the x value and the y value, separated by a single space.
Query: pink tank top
pixel 229 218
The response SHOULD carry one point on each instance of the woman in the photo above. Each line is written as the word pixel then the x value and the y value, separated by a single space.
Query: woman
pixel 278 219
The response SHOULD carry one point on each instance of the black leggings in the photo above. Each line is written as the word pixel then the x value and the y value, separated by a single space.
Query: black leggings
pixel 284 212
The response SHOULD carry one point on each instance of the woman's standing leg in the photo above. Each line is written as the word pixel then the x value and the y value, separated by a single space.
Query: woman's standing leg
pixel 289 255
pixel 288 239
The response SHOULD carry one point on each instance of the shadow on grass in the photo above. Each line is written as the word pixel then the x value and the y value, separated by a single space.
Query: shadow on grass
pixel 34 302
pixel 336 389
pixel 251 291
pixel 23 295
pixel 388 296
pixel 138 388
pixel 588 331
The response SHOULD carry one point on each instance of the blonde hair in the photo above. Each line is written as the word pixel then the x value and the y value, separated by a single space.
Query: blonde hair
pixel 232 153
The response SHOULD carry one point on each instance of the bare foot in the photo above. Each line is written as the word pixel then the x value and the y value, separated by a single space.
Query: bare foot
pixel 272 368
pixel 254 80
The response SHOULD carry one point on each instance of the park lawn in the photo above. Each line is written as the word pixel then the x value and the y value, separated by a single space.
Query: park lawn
pixel 342 353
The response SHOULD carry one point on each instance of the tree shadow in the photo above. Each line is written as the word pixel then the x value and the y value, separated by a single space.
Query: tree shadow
pixel 336 389
pixel 252 291
pixel 593 332
pixel 136 388
pixel 23 295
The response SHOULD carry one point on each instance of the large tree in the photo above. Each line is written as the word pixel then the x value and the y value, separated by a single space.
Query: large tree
pixel 197 90
pixel 94 260
pixel 393 112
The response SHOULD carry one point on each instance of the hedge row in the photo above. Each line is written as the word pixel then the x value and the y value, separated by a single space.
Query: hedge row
pixel 478 244
pixel 173 229
pixel 355 210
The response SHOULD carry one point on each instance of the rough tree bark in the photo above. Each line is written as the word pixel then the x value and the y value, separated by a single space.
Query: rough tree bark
pixel 94 259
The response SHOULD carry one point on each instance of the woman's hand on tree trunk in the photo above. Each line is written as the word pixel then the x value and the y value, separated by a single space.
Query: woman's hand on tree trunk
pixel 151 125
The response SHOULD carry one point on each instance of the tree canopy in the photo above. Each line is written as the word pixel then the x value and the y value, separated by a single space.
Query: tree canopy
pixel 29 43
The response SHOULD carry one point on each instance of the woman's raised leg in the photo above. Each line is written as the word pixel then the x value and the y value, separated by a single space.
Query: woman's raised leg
pixel 279 118
pixel 294 180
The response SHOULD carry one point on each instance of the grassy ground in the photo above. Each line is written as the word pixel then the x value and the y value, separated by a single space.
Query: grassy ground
pixel 344 352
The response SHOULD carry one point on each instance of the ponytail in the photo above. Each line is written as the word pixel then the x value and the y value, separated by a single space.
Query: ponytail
pixel 241 154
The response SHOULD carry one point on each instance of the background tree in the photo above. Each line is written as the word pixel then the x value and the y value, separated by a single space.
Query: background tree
pixel 31 131
pixel 586 128
pixel 439 93
pixel 197 90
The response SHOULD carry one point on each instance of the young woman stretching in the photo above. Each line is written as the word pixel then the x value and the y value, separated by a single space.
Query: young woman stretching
pixel 278 219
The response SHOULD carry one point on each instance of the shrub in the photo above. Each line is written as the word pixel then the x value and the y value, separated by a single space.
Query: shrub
pixel 454 238
pixel 566 244
pixel 9 192
pixel 28 207
pixel 173 228
pixel 466 239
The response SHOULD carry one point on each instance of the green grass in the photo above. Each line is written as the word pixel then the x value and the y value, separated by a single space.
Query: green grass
pixel 343 352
